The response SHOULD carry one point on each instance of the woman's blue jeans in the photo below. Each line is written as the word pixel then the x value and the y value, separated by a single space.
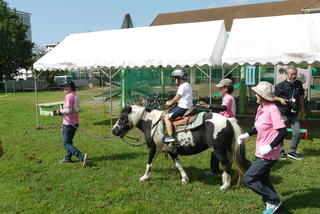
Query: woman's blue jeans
pixel 257 179
pixel 68 132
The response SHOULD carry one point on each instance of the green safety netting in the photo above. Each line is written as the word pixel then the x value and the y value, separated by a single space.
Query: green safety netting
pixel 151 87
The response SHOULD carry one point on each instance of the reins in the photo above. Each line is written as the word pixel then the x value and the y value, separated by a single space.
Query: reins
pixel 139 143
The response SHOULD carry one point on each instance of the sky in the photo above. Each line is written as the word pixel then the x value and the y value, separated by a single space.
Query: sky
pixel 53 20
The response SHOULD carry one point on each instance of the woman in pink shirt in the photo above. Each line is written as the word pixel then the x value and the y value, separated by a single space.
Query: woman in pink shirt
pixel 227 109
pixel 228 105
pixel 70 114
pixel 271 130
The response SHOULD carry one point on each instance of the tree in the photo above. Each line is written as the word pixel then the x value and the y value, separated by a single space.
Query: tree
pixel 38 51
pixel 15 49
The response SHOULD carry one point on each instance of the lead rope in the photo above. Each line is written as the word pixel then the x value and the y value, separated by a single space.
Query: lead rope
pixel 106 137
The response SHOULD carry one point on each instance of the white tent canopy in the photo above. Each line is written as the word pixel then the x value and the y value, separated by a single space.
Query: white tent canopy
pixel 290 39
pixel 191 44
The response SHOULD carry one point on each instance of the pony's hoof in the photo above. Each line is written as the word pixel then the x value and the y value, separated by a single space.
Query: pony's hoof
pixel 223 188
pixel 143 179
pixel 185 181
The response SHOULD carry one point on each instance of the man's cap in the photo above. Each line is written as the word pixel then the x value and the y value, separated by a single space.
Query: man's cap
pixel 225 83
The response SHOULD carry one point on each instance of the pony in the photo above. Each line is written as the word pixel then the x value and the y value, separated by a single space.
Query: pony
pixel 217 132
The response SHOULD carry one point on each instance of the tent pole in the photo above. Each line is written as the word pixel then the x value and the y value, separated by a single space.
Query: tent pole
pixel 110 90
pixel 222 71
pixel 162 84
pixel 123 88
pixel 210 85
pixel 202 71
pixel 162 81
pixel 309 86
pixel 36 97
pixel 229 71
pixel 243 92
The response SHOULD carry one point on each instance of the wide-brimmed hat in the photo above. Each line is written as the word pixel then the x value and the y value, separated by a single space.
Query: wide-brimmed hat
pixel 225 83
pixel 265 90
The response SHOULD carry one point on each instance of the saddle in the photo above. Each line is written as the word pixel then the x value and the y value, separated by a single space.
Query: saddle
pixel 189 120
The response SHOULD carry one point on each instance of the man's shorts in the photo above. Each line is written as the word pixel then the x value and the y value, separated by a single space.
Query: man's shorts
pixel 176 112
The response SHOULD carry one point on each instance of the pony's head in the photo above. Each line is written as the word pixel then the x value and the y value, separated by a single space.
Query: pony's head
pixel 129 118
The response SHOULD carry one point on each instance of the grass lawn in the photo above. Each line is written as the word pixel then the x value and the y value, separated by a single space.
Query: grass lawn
pixel 33 181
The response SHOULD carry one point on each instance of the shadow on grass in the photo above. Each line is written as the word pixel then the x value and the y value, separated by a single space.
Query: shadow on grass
pixel 107 122
pixel 308 199
pixel 122 156
pixel 308 152
pixel 281 163
pixel 196 175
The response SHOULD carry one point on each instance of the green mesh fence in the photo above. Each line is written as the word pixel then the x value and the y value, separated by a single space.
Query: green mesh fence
pixel 147 87
pixel 151 87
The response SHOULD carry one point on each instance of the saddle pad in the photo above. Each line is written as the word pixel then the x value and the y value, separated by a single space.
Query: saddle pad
pixel 196 123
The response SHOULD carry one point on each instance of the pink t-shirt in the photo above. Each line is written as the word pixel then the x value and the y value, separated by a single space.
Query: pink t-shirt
pixel 268 120
pixel 71 100
pixel 229 101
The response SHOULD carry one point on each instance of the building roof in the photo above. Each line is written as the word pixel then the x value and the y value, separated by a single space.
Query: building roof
pixel 315 4
pixel 20 12
pixel 235 12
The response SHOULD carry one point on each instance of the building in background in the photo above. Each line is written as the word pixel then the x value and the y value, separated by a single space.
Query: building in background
pixel 49 47
pixel 227 14
pixel 25 18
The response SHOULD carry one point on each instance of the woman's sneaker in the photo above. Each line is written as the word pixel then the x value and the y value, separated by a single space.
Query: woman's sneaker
pixel 294 155
pixel 84 159
pixel 65 161
pixel 272 208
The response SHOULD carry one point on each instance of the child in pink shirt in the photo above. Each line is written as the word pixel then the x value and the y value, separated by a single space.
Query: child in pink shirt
pixel 271 130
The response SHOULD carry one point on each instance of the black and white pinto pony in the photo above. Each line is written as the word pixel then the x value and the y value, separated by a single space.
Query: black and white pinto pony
pixel 217 132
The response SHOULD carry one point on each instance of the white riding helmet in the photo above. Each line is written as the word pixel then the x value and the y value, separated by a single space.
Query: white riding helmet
pixel 180 73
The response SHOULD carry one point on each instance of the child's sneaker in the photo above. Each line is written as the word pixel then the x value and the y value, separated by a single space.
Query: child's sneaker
pixel 168 139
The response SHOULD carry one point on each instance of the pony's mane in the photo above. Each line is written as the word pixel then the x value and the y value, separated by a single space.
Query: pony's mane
pixel 148 109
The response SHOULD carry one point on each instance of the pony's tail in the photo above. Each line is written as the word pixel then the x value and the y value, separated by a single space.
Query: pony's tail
pixel 239 151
